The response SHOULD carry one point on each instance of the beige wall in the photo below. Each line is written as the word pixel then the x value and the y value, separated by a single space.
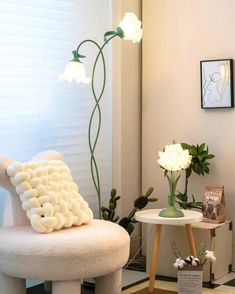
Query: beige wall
pixel 127 113
pixel 177 35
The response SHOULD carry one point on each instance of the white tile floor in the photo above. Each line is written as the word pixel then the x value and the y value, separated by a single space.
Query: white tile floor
pixel 226 278
pixel 132 277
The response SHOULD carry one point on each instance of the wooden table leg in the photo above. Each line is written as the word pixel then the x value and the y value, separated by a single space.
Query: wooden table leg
pixel 192 246
pixel 156 242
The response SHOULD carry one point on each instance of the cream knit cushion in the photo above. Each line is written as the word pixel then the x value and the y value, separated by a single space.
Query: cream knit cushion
pixel 49 195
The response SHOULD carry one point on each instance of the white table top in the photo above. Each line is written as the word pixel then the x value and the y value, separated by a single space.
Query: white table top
pixel 151 216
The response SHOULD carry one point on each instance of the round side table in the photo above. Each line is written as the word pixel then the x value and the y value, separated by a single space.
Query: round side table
pixel 151 216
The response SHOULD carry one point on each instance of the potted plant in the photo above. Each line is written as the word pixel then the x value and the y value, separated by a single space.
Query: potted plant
pixel 190 269
pixel 200 166
pixel 128 222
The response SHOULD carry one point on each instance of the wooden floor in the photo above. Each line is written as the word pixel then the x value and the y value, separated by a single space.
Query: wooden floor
pixel 156 291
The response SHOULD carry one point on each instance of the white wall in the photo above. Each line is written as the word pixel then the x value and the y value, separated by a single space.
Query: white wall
pixel 177 35
pixel 127 113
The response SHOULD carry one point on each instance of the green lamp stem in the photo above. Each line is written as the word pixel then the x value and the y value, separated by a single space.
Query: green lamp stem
pixel 96 110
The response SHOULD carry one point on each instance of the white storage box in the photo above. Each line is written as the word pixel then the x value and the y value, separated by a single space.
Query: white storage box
pixel 216 237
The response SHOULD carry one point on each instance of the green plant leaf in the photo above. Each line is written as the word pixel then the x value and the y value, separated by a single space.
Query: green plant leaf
pixel 134 221
pixel 149 192
pixel 132 213
pixel 188 171
pixel 152 199
pixel 186 146
pixel 116 219
pixel 202 147
pixel 130 228
pixel 113 193
pixel 112 206
pixel 105 216
pixel 104 209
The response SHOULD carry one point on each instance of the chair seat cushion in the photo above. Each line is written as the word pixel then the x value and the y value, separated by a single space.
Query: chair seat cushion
pixel 79 252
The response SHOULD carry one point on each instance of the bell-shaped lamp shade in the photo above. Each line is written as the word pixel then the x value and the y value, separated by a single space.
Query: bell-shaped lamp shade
pixel 74 70
pixel 131 27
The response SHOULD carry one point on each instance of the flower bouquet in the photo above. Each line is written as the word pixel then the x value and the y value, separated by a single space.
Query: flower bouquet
pixel 202 256
pixel 190 269
pixel 173 159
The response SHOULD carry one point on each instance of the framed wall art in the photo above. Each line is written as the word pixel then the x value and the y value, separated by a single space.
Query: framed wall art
pixel 216 83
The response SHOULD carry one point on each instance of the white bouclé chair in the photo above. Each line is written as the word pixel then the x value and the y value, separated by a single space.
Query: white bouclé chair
pixel 99 249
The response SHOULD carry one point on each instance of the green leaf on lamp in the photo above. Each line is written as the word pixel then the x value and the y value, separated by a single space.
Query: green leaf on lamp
pixel 120 32
pixel 77 56
pixel 109 33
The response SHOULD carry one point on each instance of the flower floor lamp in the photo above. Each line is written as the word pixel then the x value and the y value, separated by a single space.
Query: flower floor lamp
pixel 128 29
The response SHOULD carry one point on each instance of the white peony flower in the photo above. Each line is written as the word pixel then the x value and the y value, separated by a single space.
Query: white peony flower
pixel 179 263
pixel 131 27
pixel 174 158
pixel 74 70
pixel 210 255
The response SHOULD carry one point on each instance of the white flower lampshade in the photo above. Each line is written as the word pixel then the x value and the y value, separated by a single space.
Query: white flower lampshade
pixel 74 70
pixel 174 158
pixel 131 27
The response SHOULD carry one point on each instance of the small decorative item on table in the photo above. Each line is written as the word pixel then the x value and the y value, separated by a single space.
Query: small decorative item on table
pixel 190 269
pixel 213 206
pixel 173 159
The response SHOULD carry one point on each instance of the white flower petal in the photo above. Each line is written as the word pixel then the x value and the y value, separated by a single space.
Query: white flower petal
pixel 131 27
pixel 174 158
pixel 74 71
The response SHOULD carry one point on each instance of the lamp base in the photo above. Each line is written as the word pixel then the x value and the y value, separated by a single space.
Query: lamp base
pixel 172 212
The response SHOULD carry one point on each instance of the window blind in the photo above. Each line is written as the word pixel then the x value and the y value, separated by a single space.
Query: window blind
pixel 37 111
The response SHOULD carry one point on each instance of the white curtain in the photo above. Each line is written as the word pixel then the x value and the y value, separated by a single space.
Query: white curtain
pixel 37 111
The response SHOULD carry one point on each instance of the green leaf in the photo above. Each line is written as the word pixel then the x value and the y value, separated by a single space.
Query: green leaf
pixel 152 199
pixel 199 157
pixel 112 206
pixel 134 221
pixel 193 150
pixel 119 32
pixel 113 193
pixel 188 171
pixel 116 219
pixel 109 33
pixel 185 146
pixel 104 209
pixel 132 213
pixel 176 181
pixel 130 228
pixel 149 192
pixel 202 147
pixel 105 216
pixel 111 216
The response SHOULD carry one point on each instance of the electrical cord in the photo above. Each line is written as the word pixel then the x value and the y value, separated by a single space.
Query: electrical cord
pixel 137 252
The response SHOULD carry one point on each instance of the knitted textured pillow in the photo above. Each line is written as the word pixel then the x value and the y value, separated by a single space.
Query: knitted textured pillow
pixel 49 195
